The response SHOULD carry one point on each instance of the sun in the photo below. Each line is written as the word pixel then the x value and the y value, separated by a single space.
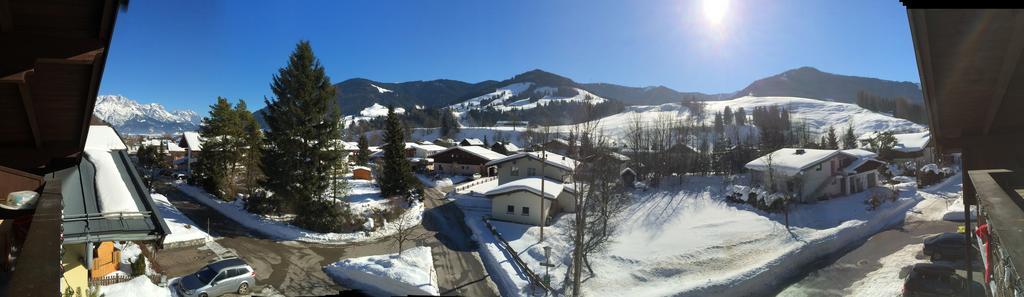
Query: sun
pixel 715 10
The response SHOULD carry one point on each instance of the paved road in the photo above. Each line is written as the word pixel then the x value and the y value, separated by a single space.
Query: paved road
pixel 459 271
pixel 836 278
pixel 295 268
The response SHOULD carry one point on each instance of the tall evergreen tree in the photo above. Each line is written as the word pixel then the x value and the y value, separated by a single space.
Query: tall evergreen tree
pixel 218 168
pixel 849 139
pixel 727 116
pixel 831 140
pixel 741 117
pixel 363 155
pixel 251 148
pixel 303 132
pixel 396 174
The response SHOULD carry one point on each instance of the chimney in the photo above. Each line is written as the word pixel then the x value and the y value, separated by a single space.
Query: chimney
pixel 800 151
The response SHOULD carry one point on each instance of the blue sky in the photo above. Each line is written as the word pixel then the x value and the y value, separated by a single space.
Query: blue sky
pixel 185 53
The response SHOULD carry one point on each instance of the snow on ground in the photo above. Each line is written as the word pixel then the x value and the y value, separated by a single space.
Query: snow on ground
pixel 281 230
pixel 441 181
pixel 543 95
pixel 412 273
pixel 139 286
pixel 177 221
pixel 381 90
pixel 377 110
pixel 687 240
pixel 887 280
pixel 818 115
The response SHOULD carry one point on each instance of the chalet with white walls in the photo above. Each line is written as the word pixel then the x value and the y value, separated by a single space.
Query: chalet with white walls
pixel 812 174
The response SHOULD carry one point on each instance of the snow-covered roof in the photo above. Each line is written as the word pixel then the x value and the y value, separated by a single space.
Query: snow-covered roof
pixel 906 142
pixel 104 137
pixel 349 146
pixel 169 146
pixel 788 161
pixel 478 151
pixel 852 168
pixel 912 142
pixel 195 142
pixel 553 159
pixel 859 153
pixel 113 194
pixel 360 167
pixel 473 141
pixel 511 147
pixel 429 147
pixel 552 188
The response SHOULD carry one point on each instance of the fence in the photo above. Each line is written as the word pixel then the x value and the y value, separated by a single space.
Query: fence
pixel 537 280
pixel 156 279
pixel 464 186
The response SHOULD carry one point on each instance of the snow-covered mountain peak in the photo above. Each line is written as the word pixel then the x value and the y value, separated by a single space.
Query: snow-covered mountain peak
pixel 132 117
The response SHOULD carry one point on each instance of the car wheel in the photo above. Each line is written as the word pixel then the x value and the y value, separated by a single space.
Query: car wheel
pixel 203 295
pixel 936 256
pixel 243 289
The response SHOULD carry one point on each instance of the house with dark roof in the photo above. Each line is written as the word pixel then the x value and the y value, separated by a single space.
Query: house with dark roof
pixel 465 160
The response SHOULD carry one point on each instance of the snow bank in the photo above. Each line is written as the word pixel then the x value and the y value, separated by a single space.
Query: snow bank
pixel 412 273
pixel 955 211
pixel 139 286
pixel 887 281
pixel 282 230
pixel 180 234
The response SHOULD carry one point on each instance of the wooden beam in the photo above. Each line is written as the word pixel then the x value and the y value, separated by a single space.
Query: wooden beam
pixel 1012 58
pixel 6 21
pixel 30 111
pixel 90 101
pixel 919 34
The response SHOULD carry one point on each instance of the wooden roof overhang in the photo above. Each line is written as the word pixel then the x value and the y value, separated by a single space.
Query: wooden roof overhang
pixel 51 63
pixel 52 54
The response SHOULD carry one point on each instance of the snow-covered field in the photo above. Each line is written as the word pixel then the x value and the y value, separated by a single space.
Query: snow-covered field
pixel 688 241
pixel 817 114
pixel 177 221
pixel 281 230
pixel 412 273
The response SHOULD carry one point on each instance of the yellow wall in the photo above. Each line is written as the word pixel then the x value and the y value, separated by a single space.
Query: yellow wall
pixel 108 260
pixel 75 273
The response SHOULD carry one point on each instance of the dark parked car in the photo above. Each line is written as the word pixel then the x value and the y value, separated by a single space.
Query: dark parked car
pixel 218 278
pixel 927 279
pixel 947 246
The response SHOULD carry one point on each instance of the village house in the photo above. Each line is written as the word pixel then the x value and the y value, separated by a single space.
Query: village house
pixel 465 160
pixel 914 149
pixel 813 174
pixel 532 187
pixel 505 147
pixel 471 142
pixel 192 142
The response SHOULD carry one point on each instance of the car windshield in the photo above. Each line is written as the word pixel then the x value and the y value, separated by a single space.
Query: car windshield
pixel 206 275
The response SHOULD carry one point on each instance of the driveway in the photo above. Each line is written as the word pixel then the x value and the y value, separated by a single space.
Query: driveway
pixel 296 268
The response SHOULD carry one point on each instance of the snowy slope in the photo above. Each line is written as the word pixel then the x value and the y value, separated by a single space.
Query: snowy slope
pixel 500 99
pixel 817 114
pixel 375 110
pixel 130 117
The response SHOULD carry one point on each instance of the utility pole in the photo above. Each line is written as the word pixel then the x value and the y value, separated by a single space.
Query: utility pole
pixel 543 216
pixel 547 266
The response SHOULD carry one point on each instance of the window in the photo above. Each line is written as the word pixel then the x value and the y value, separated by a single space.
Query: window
pixel 526 211
pixel 818 168
pixel 515 169
pixel 531 171
pixel 221 276
pixel 510 209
